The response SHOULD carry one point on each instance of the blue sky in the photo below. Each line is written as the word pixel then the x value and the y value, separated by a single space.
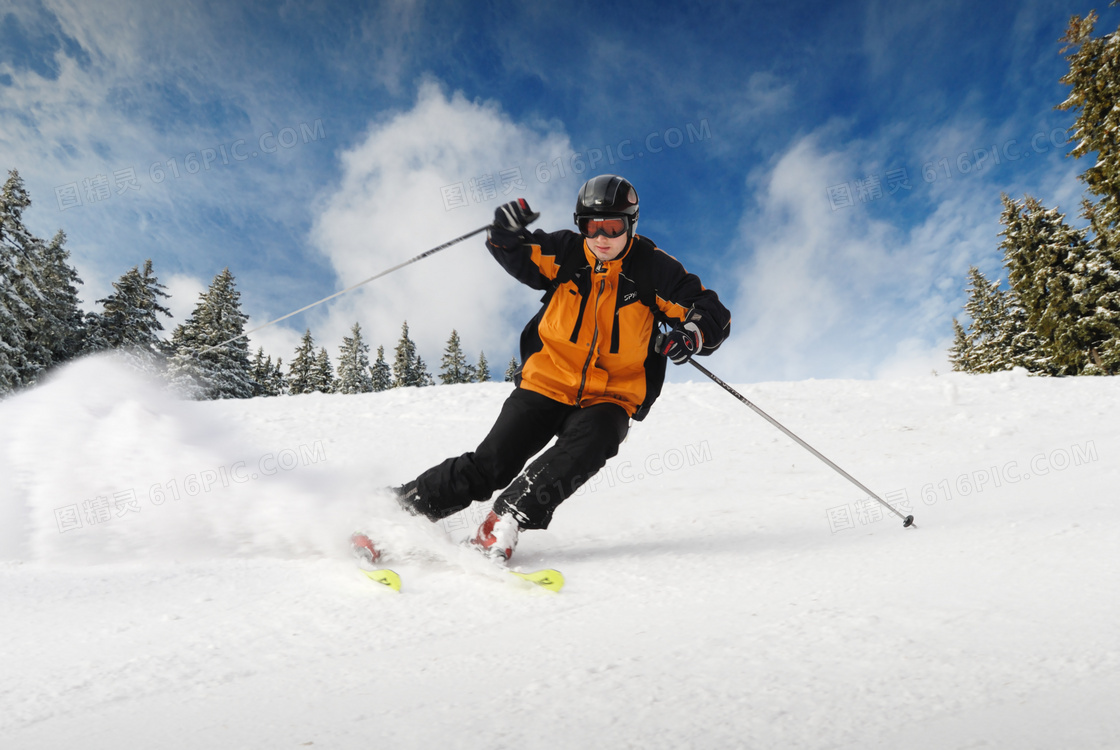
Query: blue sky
pixel 831 169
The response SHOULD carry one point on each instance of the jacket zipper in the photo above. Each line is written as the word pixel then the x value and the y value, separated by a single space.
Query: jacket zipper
pixel 594 341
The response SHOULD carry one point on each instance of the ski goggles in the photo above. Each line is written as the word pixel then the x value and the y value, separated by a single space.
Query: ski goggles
pixel 590 227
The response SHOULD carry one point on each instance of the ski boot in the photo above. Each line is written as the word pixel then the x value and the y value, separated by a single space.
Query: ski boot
pixel 362 547
pixel 497 537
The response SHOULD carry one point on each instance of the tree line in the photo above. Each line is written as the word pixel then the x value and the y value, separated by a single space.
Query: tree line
pixel 311 371
pixel 42 326
pixel 1060 311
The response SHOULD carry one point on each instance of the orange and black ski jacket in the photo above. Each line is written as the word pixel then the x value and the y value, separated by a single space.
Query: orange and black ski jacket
pixel 592 341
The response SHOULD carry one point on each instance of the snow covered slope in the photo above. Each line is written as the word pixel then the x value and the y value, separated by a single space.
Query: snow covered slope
pixel 174 574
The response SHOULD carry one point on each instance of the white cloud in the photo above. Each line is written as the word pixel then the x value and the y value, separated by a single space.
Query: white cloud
pixel 914 357
pixel 185 292
pixel 56 127
pixel 840 293
pixel 153 84
pixel 280 342
pixel 389 206
pixel 870 290
pixel 390 33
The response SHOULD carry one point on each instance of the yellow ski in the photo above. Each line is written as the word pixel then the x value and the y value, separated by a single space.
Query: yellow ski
pixel 363 548
pixel 385 577
pixel 548 578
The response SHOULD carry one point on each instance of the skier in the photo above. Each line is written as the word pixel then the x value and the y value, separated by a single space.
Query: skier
pixel 593 358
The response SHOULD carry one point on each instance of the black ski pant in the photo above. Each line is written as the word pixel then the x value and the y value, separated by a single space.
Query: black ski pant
pixel 585 439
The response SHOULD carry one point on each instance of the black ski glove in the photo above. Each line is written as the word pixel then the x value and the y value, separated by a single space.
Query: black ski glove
pixel 514 216
pixel 681 343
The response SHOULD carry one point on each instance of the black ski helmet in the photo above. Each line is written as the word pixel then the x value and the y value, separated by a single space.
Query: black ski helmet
pixel 608 195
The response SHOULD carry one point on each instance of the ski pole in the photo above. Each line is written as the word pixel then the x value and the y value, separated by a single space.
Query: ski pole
pixel 906 520
pixel 386 272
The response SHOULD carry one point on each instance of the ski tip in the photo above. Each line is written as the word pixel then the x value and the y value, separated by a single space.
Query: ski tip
pixel 552 580
pixel 385 577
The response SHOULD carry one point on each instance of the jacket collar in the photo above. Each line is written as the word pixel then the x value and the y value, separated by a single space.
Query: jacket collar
pixel 596 264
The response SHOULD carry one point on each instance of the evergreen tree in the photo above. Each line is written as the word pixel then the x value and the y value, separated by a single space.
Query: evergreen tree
pixel 406 371
pixel 986 343
pixel 453 367
pixel 482 370
pixel 67 330
pixel 12 342
pixel 322 374
pixel 262 373
pixel 511 369
pixel 41 324
pixel 129 319
pixel 1040 251
pixel 277 383
pixel 301 373
pixel 40 321
pixel 960 353
pixel 1097 298
pixel 1094 81
pixel 222 372
pixel 1023 348
pixel 1069 290
pixel 18 292
pixel 381 374
pixel 353 364
pixel 423 376
pixel 1061 312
